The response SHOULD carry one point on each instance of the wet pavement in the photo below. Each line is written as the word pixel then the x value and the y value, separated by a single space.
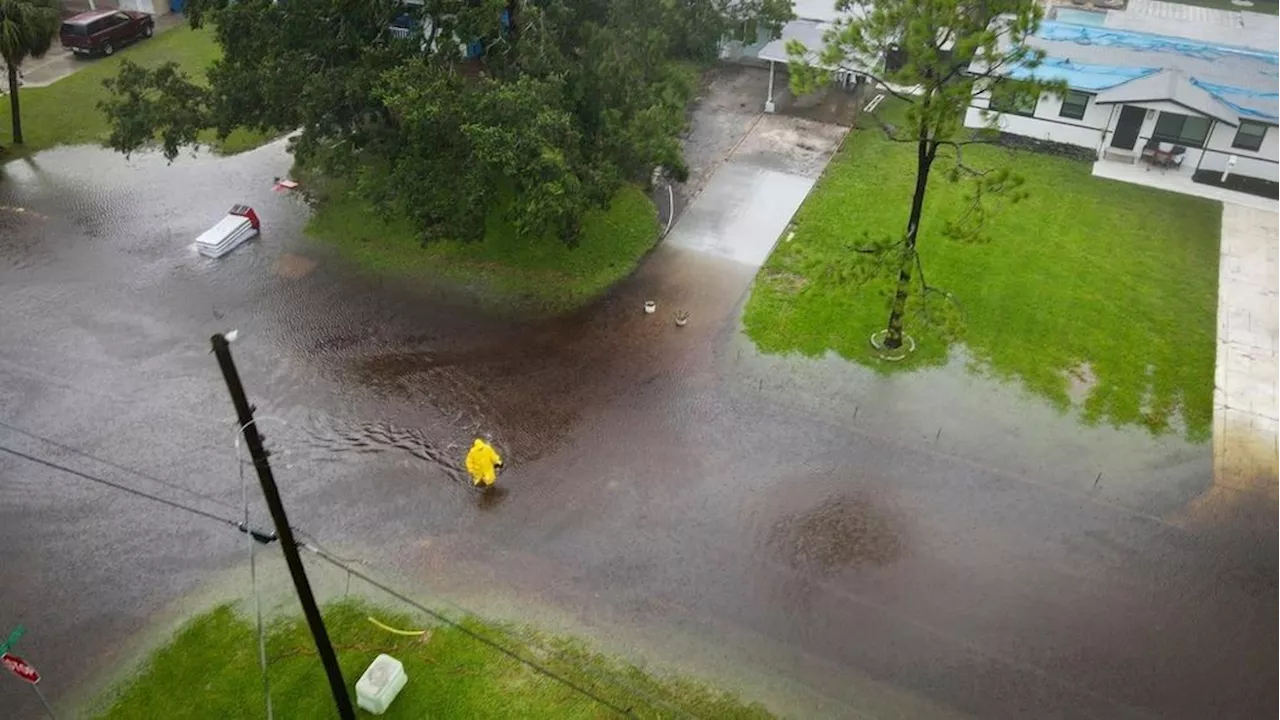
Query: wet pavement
pixel 817 536
pixel 748 203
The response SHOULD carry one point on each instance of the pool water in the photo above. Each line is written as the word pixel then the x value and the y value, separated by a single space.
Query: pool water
pixel 1080 17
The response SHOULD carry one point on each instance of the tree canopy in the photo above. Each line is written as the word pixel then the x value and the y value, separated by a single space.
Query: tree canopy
pixel 27 29
pixel 935 55
pixel 538 107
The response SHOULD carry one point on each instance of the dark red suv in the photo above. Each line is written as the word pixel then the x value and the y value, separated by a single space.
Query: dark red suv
pixel 103 31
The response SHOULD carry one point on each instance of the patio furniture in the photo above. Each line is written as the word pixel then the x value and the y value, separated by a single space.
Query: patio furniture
pixel 1163 155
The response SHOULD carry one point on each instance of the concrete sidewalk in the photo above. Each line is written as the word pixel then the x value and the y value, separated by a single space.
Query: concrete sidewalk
pixel 1178 182
pixel 1245 417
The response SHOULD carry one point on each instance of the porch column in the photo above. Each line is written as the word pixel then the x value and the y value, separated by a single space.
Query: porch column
pixel 1204 147
pixel 1106 131
pixel 768 103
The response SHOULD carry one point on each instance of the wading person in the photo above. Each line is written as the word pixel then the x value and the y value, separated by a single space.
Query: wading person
pixel 482 464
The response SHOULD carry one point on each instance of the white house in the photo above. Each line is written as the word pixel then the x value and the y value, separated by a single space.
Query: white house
pixel 1137 95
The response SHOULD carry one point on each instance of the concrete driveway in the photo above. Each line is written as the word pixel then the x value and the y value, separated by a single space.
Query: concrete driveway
pixel 1245 425
pixel 749 201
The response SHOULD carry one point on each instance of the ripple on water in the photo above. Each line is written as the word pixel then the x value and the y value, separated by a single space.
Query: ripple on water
pixel 338 438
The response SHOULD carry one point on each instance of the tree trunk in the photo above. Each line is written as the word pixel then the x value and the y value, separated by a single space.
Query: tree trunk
pixel 431 39
pixel 15 112
pixel 924 159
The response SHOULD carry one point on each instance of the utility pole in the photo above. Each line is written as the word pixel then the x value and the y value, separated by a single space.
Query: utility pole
pixel 244 414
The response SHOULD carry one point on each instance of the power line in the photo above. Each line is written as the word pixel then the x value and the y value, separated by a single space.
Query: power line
pixel 260 536
pixel 312 542
pixel 253 584
pixel 247 429
pixel 117 466
pixel 536 667
pixel 313 545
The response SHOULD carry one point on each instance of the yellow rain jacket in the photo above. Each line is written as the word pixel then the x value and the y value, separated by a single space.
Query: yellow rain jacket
pixel 482 463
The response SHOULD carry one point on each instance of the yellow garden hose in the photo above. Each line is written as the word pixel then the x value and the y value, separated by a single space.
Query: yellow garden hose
pixel 390 629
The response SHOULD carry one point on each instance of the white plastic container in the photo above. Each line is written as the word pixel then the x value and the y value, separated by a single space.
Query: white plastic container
pixel 224 237
pixel 240 224
pixel 380 684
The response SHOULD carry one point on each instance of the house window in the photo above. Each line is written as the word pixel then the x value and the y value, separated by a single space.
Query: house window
pixel 1006 98
pixel 1181 129
pixel 1073 105
pixel 1249 136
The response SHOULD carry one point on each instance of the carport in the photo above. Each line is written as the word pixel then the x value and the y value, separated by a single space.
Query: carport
pixel 810 33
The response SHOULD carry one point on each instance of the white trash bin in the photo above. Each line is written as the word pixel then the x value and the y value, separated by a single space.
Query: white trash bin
pixel 380 684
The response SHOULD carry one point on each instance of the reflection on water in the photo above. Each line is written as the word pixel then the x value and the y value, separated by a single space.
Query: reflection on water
pixel 845 531
pixel 991 424
pixel 491 498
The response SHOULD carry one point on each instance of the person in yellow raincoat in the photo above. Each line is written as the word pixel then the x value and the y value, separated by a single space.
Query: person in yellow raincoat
pixel 483 463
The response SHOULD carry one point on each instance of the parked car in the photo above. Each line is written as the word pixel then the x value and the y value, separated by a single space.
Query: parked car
pixel 105 31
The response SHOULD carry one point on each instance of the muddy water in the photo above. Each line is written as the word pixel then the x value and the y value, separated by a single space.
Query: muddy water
pixel 885 545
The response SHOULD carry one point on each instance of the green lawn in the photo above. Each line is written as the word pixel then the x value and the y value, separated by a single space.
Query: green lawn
pixel 66 112
pixel 1085 273
pixel 210 670
pixel 501 270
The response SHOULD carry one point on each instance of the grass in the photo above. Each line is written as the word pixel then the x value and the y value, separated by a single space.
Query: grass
pixel 1084 273
pixel 210 670
pixel 503 269
pixel 66 112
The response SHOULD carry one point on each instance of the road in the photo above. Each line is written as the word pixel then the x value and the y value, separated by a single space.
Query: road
pixel 822 538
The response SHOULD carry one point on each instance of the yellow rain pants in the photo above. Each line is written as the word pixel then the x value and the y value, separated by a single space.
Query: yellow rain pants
pixel 482 463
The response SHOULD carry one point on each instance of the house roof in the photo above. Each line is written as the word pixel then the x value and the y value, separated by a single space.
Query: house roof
pixel 809 32
pixel 820 10
pixel 813 19
pixel 1237 26
pixel 1241 80
pixel 1173 86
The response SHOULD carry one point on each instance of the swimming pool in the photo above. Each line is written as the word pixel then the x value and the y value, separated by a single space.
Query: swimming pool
pixel 1090 18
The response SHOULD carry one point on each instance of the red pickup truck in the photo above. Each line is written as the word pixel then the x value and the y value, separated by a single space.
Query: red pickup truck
pixel 104 31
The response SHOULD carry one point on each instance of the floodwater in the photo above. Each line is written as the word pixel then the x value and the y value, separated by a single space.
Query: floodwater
pixel 932 545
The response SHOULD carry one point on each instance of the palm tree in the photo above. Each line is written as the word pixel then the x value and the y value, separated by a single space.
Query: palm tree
pixel 27 29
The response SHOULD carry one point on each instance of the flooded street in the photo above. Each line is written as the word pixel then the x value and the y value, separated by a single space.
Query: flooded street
pixel 828 540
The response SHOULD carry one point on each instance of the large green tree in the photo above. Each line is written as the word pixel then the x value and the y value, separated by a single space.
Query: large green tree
pixel 551 107
pixel 27 29
pixel 934 55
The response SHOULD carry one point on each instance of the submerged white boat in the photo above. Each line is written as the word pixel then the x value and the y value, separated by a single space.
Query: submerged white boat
pixel 240 224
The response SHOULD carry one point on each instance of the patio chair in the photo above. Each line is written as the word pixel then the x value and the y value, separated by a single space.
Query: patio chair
pixel 1170 155
pixel 1163 155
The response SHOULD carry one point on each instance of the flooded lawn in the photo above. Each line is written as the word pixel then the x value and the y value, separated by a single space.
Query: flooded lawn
pixel 1082 271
